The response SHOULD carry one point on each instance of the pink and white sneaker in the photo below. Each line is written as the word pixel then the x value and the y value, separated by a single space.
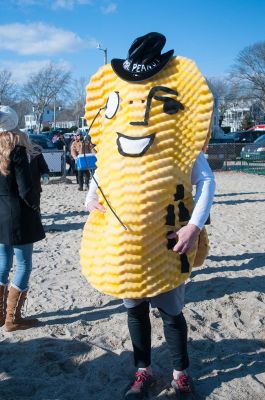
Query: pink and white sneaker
pixel 138 389
pixel 183 387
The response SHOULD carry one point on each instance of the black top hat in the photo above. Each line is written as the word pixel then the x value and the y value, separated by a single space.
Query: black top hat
pixel 144 58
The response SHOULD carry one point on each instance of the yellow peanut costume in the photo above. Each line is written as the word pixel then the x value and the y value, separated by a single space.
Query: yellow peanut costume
pixel 147 139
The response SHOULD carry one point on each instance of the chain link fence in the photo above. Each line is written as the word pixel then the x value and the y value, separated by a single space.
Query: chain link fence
pixel 236 156
pixel 56 161
pixel 220 156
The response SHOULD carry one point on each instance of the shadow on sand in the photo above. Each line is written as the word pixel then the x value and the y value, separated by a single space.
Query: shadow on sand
pixel 251 261
pixel 87 314
pixel 60 369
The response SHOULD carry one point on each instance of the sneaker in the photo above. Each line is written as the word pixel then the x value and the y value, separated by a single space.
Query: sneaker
pixel 138 389
pixel 183 387
pixel 80 188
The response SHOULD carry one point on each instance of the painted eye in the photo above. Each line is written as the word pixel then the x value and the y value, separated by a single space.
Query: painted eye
pixel 112 105
pixel 172 106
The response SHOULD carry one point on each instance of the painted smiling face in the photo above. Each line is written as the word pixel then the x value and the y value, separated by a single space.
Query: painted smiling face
pixel 147 139
pixel 174 107
pixel 134 146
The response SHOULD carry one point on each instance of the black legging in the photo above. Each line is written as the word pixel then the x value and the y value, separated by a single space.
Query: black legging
pixel 175 330
pixel 81 175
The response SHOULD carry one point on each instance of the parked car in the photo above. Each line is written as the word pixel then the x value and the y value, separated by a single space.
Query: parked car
pixel 242 137
pixel 247 136
pixel 27 130
pixel 48 134
pixel 254 152
pixel 60 131
pixel 42 140
pixel 68 135
pixel 219 150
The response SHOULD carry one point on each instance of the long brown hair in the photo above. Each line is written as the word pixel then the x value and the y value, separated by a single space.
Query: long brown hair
pixel 8 141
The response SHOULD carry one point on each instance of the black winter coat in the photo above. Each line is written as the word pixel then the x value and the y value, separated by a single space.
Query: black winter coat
pixel 20 221
pixel 38 167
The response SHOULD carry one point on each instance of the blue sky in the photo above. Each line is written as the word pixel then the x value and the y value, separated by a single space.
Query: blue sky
pixel 66 32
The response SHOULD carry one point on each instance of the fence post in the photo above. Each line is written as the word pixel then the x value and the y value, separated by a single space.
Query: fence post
pixel 64 161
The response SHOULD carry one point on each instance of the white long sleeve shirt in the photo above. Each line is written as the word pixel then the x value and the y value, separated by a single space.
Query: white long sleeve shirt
pixel 201 176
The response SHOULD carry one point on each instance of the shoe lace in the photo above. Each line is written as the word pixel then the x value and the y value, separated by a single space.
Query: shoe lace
pixel 140 378
pixel 183 383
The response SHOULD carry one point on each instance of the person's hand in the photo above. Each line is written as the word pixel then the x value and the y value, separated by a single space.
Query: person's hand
pixel 95 205
pixel 45 179
pixel 186 238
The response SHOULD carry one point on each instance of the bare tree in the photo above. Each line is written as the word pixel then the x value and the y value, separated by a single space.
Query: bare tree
pixel 78 98
pixel 7 87
pixel 22 108
pixel 249 69
pixel 44 87
pixel 226 91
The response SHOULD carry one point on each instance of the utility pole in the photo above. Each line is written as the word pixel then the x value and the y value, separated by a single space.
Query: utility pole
pixel 54 113
pixel 105 52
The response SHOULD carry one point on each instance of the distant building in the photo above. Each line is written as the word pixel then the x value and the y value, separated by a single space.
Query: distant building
pixel 48 116
pixel 48 119
pixel 64 124
pixel 30 122
pixel 235 114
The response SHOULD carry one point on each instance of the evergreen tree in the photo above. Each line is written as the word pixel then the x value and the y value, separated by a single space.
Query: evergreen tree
pixel 246 123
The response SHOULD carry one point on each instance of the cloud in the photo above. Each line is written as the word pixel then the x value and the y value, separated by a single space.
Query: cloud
pixel 26 2
pixel 54 4
pixel 69 4
pixel 93 43
pixel 21 71
pixel 38 39
pixel 108 9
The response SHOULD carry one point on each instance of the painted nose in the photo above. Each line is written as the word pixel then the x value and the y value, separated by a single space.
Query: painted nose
pixel 144 122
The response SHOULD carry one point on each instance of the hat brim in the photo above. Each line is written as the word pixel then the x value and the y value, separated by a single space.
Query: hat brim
pixel 117 66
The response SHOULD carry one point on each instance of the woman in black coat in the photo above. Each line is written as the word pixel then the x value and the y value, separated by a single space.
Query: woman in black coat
pixel 20 222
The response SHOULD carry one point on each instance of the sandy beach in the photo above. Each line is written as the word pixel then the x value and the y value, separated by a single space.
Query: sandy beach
pixel 81 348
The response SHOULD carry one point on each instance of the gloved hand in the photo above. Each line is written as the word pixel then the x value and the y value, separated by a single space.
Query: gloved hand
pixel 45 179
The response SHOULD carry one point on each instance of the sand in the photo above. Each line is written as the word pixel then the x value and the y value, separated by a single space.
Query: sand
pixel 81 348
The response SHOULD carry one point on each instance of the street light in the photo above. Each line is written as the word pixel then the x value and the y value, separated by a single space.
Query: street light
pixel 105 52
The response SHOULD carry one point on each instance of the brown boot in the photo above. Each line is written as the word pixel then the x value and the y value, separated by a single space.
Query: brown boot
pixel 14 320
pixel 3 297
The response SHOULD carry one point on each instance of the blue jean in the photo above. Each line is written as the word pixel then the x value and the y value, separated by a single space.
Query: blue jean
pixel 23 254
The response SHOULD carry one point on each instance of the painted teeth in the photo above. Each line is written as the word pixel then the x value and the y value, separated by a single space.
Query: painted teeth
pixel 134 146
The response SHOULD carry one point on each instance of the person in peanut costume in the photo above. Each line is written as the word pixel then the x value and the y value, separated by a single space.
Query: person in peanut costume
pixel 150 117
